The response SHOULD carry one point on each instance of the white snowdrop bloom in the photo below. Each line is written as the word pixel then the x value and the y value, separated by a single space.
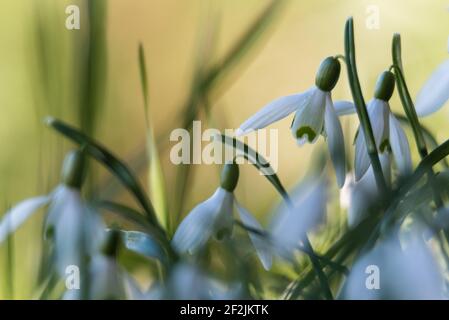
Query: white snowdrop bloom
pixel 389 271
pixel 364 193
pixel 315 115
pixel 435 91
pixel 386 130
pixel 106 280
pixel 214 217
pixel 290 224
pixel 77 229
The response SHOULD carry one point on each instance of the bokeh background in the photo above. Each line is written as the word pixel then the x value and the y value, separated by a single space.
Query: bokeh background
pixel 43 72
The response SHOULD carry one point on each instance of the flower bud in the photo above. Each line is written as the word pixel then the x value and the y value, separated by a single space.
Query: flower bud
pixel 73 169
pixel 230 176
pixel 384 86
pixel 328 74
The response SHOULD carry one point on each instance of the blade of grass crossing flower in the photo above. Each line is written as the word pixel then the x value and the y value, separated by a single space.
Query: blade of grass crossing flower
pixel 94 65
pixel 361 108
pixel 104 156
pixel 156 181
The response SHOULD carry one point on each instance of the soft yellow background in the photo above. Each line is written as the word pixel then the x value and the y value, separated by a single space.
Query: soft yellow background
pixel 304 33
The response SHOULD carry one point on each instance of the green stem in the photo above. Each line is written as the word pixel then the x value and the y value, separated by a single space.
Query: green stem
pixel 362 112
pixel 410 111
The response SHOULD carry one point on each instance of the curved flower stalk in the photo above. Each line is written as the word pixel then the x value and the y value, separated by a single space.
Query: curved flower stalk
pixel 75 227
pixel 435 91
pixel 214 217
pixel 315 115
pixel 291 223
pixel 387 131
pixel 394 272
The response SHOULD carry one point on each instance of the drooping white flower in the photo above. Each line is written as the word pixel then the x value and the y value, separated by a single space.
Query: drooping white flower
pixel 77 229
pixel 214 217
pixel 189 282
pixel 386 130
pixel 390 271
pixel 314 115
pixel 364 194
pixel 291 223
pixel 106 280
pixel 435 91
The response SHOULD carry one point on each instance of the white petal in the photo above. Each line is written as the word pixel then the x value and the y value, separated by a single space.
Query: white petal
pixel 290 225
pixel 400 147
pixel 66 216
pixel 378 112
pixel 344 108
pixel 411 273
pixel 364 193
pixel 435 92
pixel 261 245
pixel 309 119
pixel 272 112
pixel 107 279
pixel 362 161
pixel 199 225
pixel 335 141
pixel 14 218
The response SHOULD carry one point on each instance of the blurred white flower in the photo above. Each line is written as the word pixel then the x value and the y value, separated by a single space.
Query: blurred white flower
pixel 76 227
pixel 410 273
pixel 188 282
pixel 290 225
pixel 214 217
pixel 435 91
pixel 364 193
pixel 314 115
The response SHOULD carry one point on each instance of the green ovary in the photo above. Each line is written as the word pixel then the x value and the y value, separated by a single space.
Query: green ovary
pixel 308 131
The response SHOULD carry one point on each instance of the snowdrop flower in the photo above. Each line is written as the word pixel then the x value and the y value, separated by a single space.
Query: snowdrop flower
pixel 214 217
pixel 107 280
pixel 77 229
pixel 364 194
pixel 435 91
pixel 290 224
pixel 408 273
pixel 386 129
pixel 314 115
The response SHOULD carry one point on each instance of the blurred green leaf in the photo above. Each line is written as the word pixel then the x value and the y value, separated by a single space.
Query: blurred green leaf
pixel 156 181
pixel 257 160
